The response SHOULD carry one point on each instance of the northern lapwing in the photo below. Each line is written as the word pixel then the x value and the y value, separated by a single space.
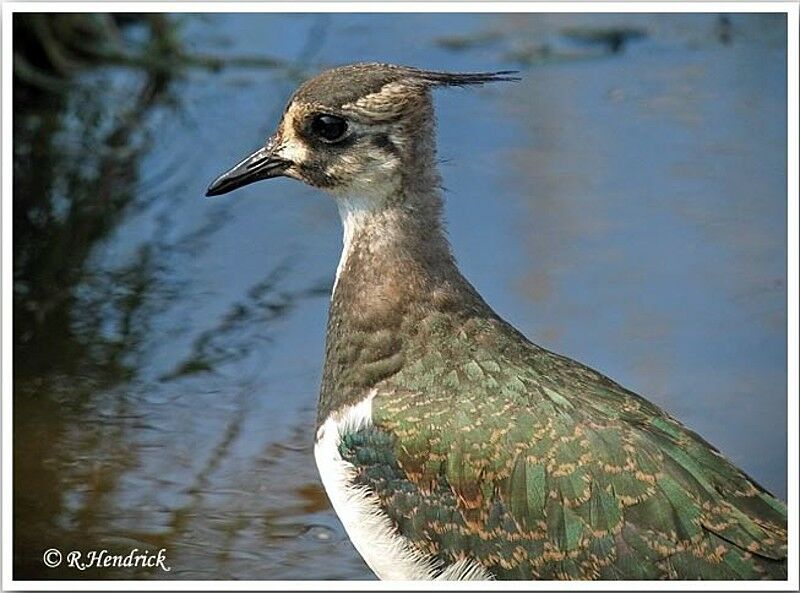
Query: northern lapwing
pixel 451 446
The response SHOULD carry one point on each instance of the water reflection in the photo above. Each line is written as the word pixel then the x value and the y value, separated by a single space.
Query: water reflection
pixel 168 348
pixel 74 174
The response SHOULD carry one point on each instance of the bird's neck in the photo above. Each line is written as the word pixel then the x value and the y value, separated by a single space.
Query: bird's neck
pixel 392 225
pixel 396 272
pixel 401 229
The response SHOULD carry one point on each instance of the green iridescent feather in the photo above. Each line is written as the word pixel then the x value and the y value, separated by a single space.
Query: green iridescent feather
pixel 541 468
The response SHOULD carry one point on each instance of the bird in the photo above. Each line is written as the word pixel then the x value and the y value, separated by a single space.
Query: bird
pixel 451 446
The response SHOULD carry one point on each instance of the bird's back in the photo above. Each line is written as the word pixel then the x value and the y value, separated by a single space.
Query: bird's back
pixel 485 446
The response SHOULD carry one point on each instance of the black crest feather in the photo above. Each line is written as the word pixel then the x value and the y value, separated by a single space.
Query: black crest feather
pixel 436 78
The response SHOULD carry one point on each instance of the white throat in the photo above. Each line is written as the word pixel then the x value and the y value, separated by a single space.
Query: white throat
pixel 354 212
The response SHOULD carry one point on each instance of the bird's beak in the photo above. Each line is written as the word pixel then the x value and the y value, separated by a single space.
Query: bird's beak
pixel 262 164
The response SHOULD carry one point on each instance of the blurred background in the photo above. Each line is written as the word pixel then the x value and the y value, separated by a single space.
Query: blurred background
pixel 625 205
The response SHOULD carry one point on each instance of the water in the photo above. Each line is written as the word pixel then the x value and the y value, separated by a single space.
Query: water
pixel 626 209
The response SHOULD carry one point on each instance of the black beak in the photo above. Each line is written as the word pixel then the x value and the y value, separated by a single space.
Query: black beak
pixel 262 164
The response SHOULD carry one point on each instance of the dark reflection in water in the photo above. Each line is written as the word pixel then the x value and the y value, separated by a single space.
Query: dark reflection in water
pixel 168 347
pixel 75 172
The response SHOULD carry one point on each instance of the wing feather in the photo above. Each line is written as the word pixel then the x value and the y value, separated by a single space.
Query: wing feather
pixel 539 467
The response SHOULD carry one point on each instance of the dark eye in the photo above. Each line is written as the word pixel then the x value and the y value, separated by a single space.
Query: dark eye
pixel 328 127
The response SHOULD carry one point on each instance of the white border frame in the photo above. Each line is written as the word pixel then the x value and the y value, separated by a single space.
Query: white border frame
pixel 788 8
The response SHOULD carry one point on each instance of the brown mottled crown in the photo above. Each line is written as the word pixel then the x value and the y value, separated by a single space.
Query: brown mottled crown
pixel 347 84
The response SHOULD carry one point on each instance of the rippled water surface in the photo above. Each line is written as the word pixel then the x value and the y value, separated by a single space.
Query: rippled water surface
pixel 625 208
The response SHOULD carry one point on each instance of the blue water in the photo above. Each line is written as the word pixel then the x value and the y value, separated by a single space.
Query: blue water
pixel 625 209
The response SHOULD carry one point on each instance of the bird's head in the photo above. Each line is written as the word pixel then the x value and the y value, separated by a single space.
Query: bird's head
pixel 358 131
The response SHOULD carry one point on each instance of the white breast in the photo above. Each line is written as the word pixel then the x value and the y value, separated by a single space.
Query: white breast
pixel 390 555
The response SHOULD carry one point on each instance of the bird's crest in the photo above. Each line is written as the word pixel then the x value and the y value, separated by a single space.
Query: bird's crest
pixel 347 84
pixel 438 78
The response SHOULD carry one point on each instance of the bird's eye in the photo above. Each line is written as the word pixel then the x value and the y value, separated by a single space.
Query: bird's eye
pixel 328 127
